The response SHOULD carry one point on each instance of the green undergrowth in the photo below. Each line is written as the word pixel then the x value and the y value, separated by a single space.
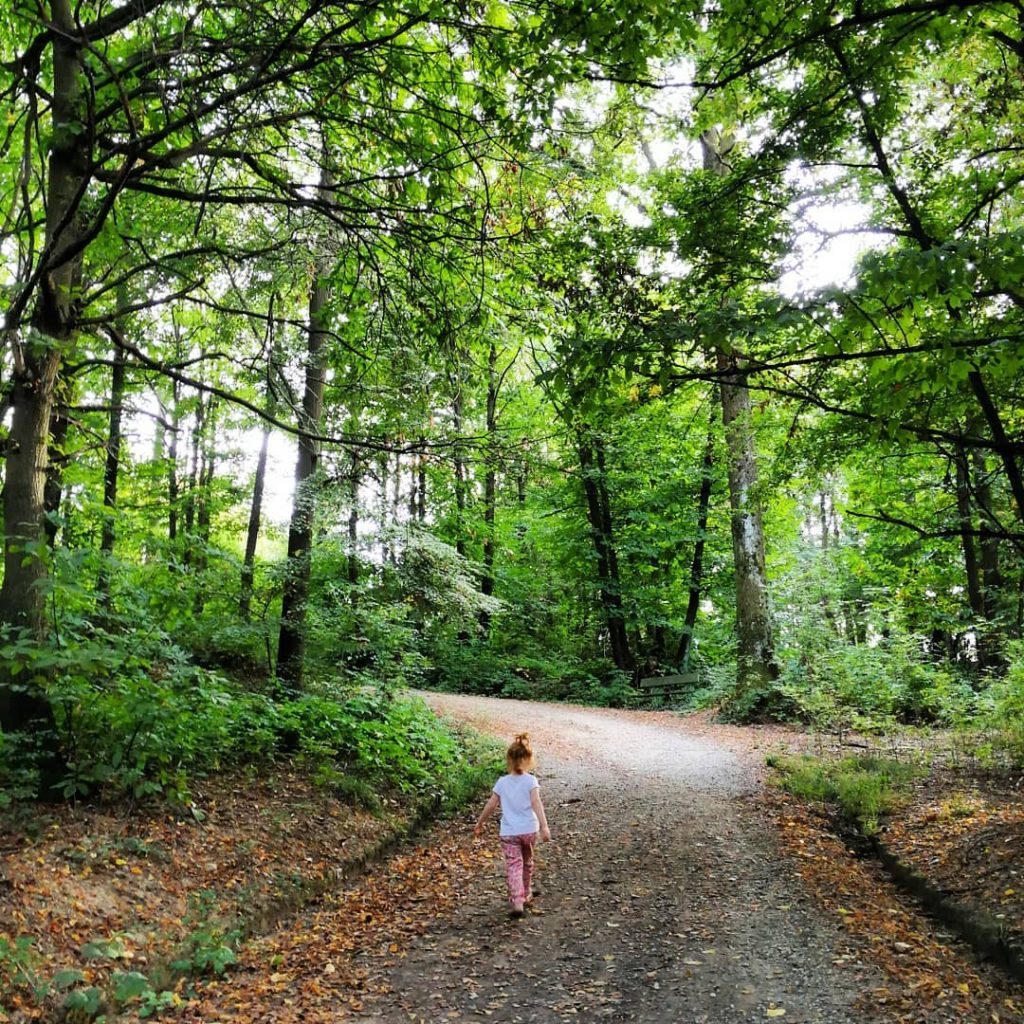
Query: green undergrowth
pixel 866 788
pixel 374 749
pixel 139 719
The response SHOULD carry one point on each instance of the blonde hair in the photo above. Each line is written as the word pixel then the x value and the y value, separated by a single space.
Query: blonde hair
pixel 519 756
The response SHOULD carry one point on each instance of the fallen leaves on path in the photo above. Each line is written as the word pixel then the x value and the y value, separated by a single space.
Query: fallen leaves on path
pixel 970 845
pixel 928 980
pixel 144 879
pixel 325 962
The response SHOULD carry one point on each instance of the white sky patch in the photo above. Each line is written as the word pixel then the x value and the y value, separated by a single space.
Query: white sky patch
pixel 830 239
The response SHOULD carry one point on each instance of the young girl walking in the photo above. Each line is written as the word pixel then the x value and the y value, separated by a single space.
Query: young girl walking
pixel 522 818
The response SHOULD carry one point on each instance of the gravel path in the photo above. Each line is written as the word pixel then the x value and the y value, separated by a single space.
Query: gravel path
pixel 663 896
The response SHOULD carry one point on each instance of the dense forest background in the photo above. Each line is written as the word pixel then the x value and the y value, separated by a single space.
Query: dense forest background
pixel 600 341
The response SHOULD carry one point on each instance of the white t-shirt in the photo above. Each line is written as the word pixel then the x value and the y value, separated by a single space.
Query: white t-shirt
pixel 517 814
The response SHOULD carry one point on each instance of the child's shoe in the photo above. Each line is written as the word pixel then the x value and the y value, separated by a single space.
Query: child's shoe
pixel 517 910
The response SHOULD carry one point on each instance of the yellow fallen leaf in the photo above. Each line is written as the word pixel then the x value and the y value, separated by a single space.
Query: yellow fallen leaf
pixel 775 1011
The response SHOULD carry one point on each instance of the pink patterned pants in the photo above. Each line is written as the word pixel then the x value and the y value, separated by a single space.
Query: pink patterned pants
pixel 518 851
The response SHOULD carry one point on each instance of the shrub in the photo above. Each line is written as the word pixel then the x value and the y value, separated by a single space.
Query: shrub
pixel 866 788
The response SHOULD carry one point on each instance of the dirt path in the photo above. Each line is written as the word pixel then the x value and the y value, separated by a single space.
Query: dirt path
pixel 663 895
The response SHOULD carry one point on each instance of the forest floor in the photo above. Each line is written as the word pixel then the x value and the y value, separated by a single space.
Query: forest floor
pixel 677 887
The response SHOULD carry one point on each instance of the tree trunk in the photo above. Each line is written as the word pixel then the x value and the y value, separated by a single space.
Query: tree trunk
pixel 697 565
pixel 253 533
pixel 204 500
pixel 992 579
pixel 599 516
pixel 353 522
pixel 490 483
pixel 291 646
pixel 421 485
pixel 36 363
pixel 207 471
pixel 193 484
pixel 172 465
pixel 460 468
pixel 396 504
pixel 756 664
pixel 383 511
pixel 111 470
pixel 1002 442
pixel 56 460
pixel 965 514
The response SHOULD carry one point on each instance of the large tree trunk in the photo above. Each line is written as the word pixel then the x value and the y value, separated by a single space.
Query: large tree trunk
pixel 37 357
pixel 291 646
pixel 601 532
pixel 697 565
pixel 207 471
pixel 383 510
pixel 396 503
pixel 252 534
pixel 756 664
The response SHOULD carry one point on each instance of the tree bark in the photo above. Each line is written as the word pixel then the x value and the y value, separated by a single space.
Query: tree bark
pixel 204 500
pixel 992 579
pixel 396 503
pixel 172 465
pixel 697 565
pixel 193 484
pixel 756 664
pixel 353 522
pixel 291 646
pixel 37 357
pixel 460 466
pixel 56 460
pixel 207 471
pixel 599 516
pixel 421 485
pixel 490 483
pixel 965 514
pixel 995 424
pixel 252 535
pixel 111 470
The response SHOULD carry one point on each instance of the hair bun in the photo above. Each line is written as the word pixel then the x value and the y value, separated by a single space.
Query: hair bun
pixel 522 737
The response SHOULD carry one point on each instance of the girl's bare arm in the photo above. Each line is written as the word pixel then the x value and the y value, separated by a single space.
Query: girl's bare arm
pixel 538 808
pixel 485 814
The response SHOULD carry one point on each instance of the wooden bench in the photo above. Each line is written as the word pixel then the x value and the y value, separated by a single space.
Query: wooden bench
pixel 667 686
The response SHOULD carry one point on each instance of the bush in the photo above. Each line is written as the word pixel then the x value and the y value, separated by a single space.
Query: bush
pixel 866 788
pixel 135 717
pixel 1002 709
pixel 868 687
